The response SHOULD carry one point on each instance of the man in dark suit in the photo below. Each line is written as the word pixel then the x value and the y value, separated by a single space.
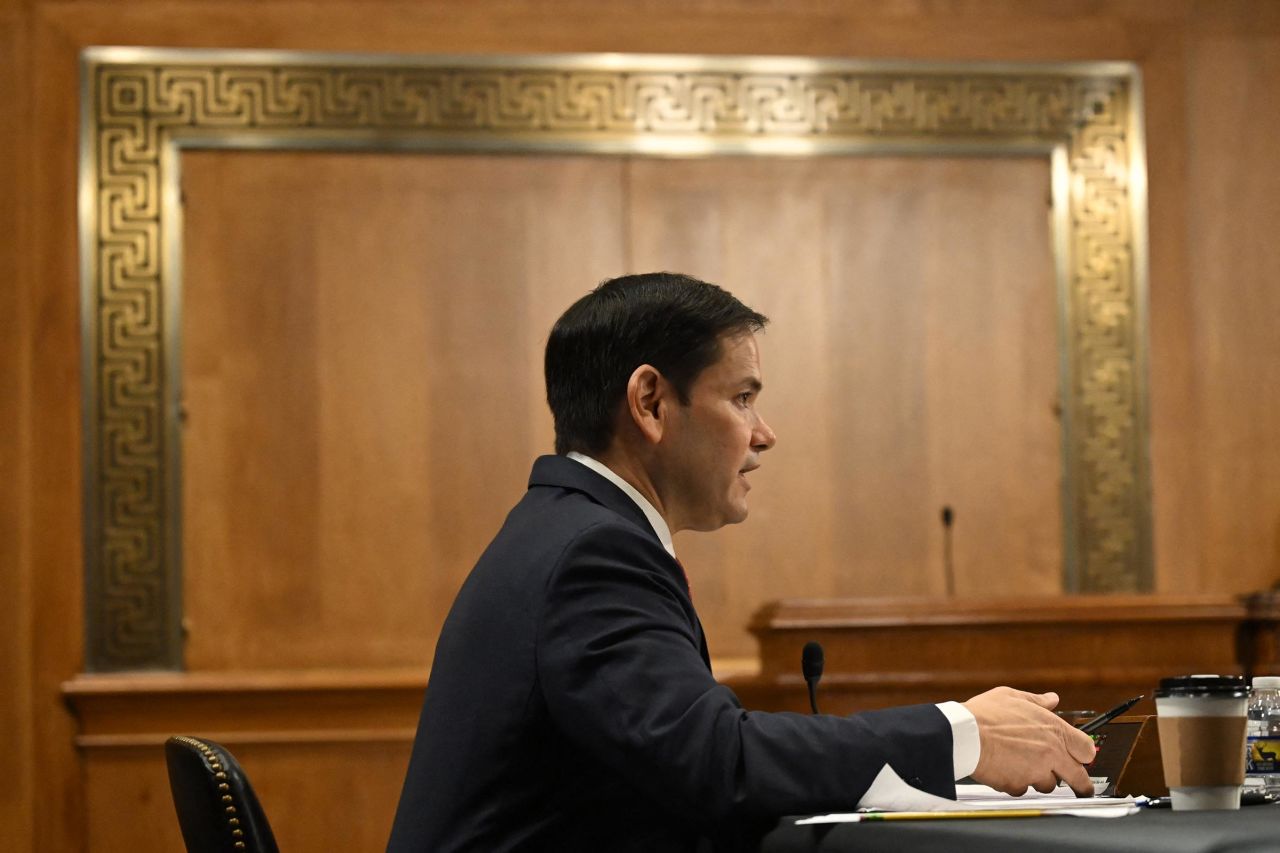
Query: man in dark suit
pixel 571 704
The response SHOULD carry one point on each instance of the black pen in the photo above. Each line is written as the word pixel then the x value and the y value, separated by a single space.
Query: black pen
pixel 1102 719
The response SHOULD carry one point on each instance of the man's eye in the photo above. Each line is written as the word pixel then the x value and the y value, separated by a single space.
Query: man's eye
pixel 744 398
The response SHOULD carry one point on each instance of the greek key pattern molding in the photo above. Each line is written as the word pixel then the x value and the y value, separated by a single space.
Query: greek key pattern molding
pixel 138 107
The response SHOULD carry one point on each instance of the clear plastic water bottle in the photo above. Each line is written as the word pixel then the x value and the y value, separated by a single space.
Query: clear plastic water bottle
pixel 1262 748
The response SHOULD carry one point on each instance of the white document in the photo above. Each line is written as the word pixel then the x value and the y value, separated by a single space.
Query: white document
pixel 979 800
pixel 970 797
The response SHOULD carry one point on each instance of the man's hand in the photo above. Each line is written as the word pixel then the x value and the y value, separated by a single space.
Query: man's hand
pixel 1025 744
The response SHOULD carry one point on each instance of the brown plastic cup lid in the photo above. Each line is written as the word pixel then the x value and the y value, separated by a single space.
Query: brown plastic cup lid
pixel 1217 686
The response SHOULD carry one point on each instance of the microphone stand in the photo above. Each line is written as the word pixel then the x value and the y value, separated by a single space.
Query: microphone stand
pixel 948 563
pixel 811 664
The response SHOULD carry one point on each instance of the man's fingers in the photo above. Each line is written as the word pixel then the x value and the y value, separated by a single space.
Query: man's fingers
pixel 1046 700
pixel 1075 776
pixel 1049 700
pixel 1080 746
pixel 1047 786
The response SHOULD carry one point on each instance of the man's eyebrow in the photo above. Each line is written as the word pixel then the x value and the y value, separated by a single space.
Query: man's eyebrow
pixel 754 384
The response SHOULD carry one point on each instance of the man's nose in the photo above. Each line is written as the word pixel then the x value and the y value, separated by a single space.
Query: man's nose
pixel 763 438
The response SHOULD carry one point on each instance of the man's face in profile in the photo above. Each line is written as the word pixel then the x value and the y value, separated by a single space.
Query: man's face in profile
pixel 716 439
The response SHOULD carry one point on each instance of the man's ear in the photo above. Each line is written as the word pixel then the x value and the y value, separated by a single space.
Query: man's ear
pixel 647 403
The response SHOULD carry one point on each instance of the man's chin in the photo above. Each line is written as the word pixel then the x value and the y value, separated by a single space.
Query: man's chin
pixel 736 516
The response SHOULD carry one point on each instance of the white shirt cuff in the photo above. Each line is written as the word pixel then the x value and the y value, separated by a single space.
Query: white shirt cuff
pixel 966 747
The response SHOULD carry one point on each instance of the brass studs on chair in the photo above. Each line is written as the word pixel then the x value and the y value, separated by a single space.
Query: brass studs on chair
pixel 214 762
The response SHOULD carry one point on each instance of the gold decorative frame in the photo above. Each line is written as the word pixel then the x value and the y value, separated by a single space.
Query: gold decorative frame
pixel 142 107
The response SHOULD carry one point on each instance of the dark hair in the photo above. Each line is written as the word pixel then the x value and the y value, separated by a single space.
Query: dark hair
pixel 670 321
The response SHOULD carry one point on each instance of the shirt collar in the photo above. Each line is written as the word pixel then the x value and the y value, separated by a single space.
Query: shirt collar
pixel 656 521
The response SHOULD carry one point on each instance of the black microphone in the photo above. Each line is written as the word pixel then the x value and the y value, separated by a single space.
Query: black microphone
pixel 948 561
pixel 811 661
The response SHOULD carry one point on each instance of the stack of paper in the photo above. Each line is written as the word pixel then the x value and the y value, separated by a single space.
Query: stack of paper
pixel 979 801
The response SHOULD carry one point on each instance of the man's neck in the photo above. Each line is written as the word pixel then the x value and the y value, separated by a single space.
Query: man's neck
pixel 646 503
pixel 636 476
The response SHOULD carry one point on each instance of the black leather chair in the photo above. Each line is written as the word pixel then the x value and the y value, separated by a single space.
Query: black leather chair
pixel 217 809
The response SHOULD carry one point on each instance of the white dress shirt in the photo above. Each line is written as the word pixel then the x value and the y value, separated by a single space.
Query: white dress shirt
pixel 888 790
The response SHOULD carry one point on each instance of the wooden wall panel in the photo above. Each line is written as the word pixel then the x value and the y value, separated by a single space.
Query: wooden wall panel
pixel 1189 159
pixel 962 29
pixel 354 787
pixel 326 751
pixel 1235 262
pixel 16 725
pixel 318 796
pixel 363 390
pixel 129 806
pixel 911 364
pixel 359 336
pixel 54 519
pixel 1171 377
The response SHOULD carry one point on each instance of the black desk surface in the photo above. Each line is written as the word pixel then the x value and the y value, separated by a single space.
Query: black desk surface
pixel 1252 829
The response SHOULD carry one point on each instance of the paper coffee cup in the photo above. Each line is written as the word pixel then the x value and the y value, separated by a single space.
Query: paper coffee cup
pixel 1201 719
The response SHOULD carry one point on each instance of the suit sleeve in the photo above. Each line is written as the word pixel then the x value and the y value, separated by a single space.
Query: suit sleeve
pixel 621 673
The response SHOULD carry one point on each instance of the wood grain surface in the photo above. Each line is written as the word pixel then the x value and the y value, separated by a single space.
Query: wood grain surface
pixel 1208 73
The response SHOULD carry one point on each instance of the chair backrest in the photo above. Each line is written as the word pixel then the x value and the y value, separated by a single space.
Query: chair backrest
pixel 217 809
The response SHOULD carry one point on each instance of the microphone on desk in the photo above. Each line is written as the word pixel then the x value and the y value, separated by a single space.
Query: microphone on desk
pixel 811 660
